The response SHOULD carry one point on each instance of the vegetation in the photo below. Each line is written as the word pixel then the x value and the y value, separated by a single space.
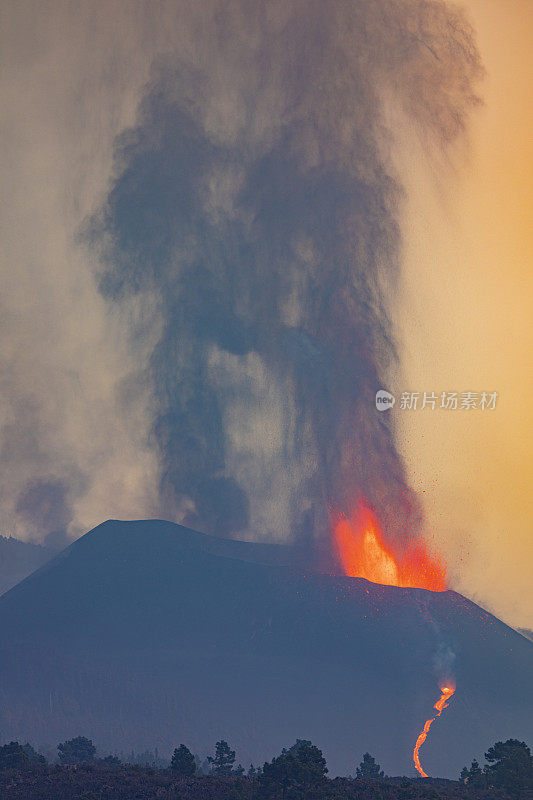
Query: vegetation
pixel 223 760
pixel 33 755
pixel 183 762
pixel 76 751
pixel 369 769
pixel 509 767
pixel 299 773
pixel 294 773
pixel 13 756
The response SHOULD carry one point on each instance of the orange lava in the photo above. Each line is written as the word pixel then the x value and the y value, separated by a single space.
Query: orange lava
pixel 364 553
pixel 440 705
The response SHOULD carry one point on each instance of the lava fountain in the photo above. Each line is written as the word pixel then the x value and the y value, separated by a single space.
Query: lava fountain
pixel 440 705
pixel 364 553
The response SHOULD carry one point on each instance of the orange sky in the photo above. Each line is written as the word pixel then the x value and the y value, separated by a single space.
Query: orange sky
pixel 465 324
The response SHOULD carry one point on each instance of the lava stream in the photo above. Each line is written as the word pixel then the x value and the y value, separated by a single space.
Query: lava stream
pixel 440 705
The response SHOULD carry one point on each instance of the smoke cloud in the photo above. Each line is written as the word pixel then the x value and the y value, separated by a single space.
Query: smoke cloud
pixel 444 662
pixel 240 265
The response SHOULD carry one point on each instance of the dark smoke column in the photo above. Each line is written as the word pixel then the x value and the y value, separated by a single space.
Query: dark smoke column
pixel 255 202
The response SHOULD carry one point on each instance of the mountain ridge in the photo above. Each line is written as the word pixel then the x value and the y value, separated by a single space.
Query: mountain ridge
pixel 147 634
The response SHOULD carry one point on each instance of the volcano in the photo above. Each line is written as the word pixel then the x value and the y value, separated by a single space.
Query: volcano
pixel 147 634
pixel 19 559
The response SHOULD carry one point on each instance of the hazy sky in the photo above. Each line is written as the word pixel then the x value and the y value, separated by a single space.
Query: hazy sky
pixel 75 407
pixel 467 325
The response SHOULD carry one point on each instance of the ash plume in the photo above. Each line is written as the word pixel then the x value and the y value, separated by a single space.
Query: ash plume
pixel 209 349
pixel 255 198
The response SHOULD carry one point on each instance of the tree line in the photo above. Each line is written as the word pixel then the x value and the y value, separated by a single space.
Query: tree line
pixel 297 773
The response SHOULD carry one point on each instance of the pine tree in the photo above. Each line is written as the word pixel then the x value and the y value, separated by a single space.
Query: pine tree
pixel 473 774
pixel 510 765
pixel 298 770
pixel 369 769
pixel 474 771
pixel 223 760
pixel 252 772
pixel 183 762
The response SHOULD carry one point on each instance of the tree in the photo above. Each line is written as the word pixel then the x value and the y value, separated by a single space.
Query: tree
pixel 369 769
pixel 310 760
pixel 510 765
pixel 295 771
pixel 223 760
pixel 183 762
pixel 33 755
pixel 475 770
pixel 472 775
pixel 13 756
pixel 79 750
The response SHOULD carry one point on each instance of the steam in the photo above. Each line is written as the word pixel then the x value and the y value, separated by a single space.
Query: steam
pixel 444 662
pixel 245 256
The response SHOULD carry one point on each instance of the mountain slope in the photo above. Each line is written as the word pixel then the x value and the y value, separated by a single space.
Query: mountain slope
pixel 19 559
pixel 526 632
pixel 145 634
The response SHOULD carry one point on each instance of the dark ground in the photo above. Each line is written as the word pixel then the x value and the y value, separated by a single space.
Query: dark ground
pixel 145 783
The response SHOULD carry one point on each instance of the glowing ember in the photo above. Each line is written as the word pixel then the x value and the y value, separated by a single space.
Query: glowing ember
pixel 363 553
pixel 440 705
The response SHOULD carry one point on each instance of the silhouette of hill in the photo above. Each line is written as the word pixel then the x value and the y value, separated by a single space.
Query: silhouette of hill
pixel 146 634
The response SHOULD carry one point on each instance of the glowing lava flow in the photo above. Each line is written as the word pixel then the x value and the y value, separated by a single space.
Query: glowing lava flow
pixel 440 705
pixel 364 553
